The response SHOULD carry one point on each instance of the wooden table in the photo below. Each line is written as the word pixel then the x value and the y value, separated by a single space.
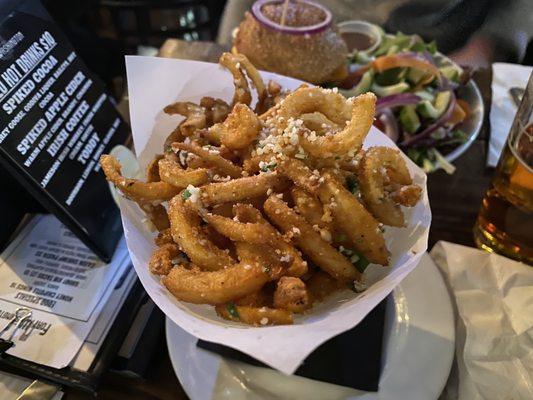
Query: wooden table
pixel 454 199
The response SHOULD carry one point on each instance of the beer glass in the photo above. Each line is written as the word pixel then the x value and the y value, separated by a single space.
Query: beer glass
pixel 505 221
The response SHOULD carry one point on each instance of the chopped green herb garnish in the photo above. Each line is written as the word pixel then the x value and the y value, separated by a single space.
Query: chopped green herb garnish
pixel 342 237
pixel 344 251
pixel 268 167
pixel 266 269
pixel 186 194
pixel 357 259
pixel 352 184
pixel 232 310
pixel 361 263
pixel 168 150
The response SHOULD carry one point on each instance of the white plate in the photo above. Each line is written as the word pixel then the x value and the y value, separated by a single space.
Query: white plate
pixel 418 354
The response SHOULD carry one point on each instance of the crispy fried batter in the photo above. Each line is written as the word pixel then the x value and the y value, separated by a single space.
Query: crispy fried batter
pixel 239 129
pixel 133 188
pixel 172 173
pixel 211 156
pixel 194 114
pixel 164 258
pixel 291 295
pixel 259 316
pixel 187 232
pixel 386 183
pixel 242 188
pixel 228 238
pixel 309 241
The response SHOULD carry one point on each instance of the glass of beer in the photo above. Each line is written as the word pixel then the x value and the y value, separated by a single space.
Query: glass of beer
pixel 505 221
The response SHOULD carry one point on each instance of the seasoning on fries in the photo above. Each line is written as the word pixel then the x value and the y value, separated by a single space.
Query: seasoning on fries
pixel 264 210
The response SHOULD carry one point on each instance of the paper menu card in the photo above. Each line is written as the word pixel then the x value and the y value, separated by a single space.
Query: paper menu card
pixel 98 334
pixel 47 269
pixel 156 82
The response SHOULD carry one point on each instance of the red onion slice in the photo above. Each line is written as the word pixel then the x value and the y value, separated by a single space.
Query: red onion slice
pixel 394 100
pixel 295 30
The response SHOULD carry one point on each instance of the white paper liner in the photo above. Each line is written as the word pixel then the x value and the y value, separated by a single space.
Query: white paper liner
pixel 156 82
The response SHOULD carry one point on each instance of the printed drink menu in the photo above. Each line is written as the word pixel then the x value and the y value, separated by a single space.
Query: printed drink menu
pixel 55 122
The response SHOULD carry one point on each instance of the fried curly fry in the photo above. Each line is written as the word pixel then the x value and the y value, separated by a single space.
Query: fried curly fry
pixel 241 189
pixel 309 207
pixel 318 122
pixel 261 298
pixel 172 173
pixel 237 64
pixel 239 129
pixel 163 237
pixel 194 116
pixel 350 139
pixel 309 241
pixel 407 196
pixel 186 231
pixel 352 218
pixel 164 258
pixel 242 89
pixel 157 214
pixel 321 285
pixel 216 110
pixel 300 174
pixel 252 164
pixel 133 188
pixel 260 254
pixel 291 294
pixel 258 316
pixel 152 171
pixel 355 119
pixel 382 171
pixel 211 156
pixel 215 287
pixel 296 265
pixel 252 232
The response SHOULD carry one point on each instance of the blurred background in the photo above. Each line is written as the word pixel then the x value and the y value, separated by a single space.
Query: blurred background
pixel 103 31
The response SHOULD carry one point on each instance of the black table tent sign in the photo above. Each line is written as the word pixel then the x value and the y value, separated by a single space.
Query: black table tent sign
pixel 55 121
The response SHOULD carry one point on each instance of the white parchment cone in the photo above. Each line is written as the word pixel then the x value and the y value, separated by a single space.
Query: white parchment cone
pixel 155 82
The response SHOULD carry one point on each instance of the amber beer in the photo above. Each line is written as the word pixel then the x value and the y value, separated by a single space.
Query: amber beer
pixel 505 221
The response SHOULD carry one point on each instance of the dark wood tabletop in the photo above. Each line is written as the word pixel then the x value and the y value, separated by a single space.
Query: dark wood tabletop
pixel 454 199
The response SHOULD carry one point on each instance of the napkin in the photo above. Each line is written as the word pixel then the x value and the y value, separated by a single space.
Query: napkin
pixel 493 297
pixel 156 82
pixel 503 109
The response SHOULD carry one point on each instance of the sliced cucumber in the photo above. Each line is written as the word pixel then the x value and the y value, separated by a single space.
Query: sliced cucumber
pixel 442 100
pixel 383 91
pixel 451 72
pixel 409 119
pixel 414 75
pixel 435 110
pixel 363 86
pixel 425 95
